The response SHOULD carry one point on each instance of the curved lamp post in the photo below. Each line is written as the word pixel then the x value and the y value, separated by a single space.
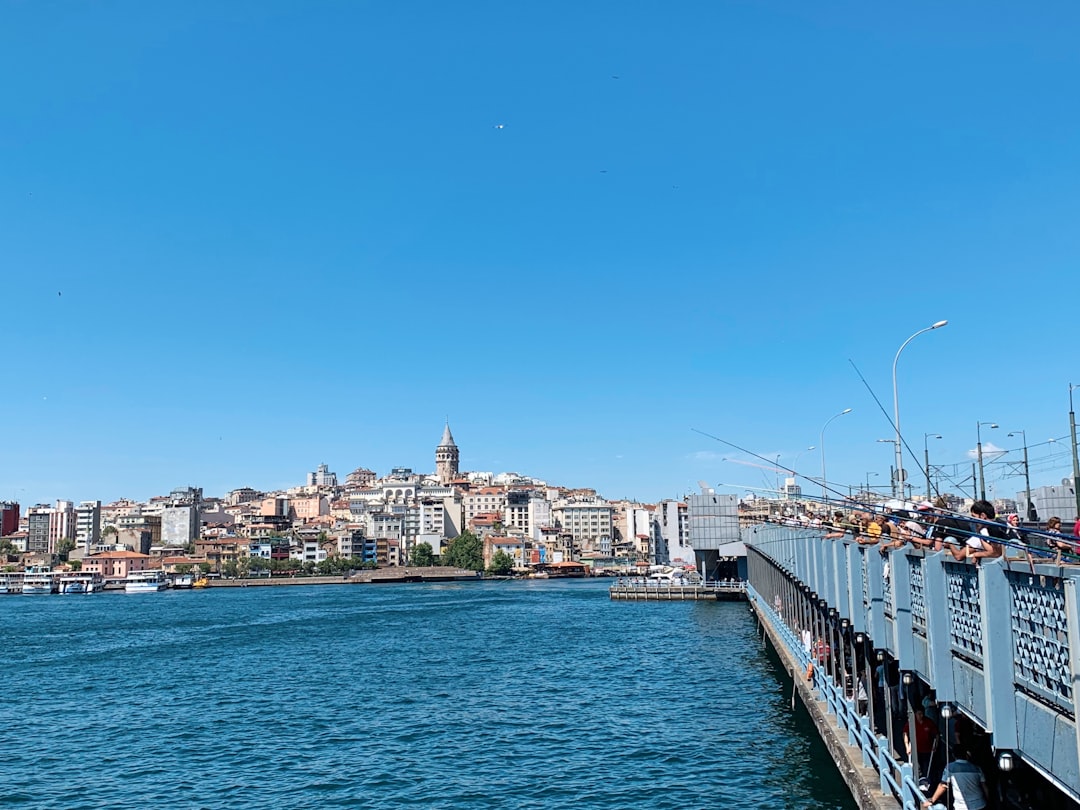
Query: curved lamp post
pixel 821 444
pixel 899 482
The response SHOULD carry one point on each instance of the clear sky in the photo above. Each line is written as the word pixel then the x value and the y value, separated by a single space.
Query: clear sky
pixel 240 239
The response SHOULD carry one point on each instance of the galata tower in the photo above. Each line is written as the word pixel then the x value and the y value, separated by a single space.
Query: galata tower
pixel 446 458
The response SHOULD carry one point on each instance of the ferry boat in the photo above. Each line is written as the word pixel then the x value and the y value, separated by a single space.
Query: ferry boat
pixel 146 581
pixel 201 582
pixel 183 581
pixel 80 583
pixel 38 580
pixel 11 582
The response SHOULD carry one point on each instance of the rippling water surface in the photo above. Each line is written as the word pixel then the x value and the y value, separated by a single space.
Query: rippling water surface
pixel 486 695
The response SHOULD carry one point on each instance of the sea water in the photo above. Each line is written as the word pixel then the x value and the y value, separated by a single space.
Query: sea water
pixel 540 694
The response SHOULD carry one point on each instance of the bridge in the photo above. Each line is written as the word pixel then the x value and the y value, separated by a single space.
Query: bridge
pixel 999 643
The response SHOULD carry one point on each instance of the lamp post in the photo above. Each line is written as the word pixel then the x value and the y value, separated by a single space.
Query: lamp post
pixel 1076 463
pixel 795 465
pixel 1029 509
pixel 868 484
pixel 978 452
pixel 926 457
pixel 899 482
pixel 894 478
pixel 821 444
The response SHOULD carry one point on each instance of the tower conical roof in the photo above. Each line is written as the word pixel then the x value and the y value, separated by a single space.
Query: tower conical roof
pixel 447 437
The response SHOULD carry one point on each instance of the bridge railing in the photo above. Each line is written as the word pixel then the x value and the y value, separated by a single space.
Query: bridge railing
pixel 1000 640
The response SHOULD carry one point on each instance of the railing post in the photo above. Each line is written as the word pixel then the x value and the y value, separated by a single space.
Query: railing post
pixel 854 605
pixel 900 573
pixel 876 594
pixel 1072 620
pixel 939 652
pixel 996 617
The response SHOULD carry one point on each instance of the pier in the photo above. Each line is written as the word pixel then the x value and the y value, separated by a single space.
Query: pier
pixel 652 591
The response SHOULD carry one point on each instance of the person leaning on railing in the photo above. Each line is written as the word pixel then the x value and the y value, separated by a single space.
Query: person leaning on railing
pixel 983 545
pixel 1059 544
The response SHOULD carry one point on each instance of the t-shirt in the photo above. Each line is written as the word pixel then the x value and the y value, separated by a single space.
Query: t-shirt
pixel 954 527
pixel 965 780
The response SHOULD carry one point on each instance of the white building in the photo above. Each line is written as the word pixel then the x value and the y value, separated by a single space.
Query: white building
pixel 88 524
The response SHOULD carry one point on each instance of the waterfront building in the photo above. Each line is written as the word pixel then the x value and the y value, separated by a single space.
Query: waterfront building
pixel 37 529
pixel 673 530
pixel 446 457
pixel 483 501
pixel 115 564
pixel 179 524
pixel 139 520
pixel 9 518
pixel 588 520
pixel 88 524
pixel 61 524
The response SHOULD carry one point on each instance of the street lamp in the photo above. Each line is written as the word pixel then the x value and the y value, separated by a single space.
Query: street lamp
pixel 926 457
pixel 868 484
pixel 1030 508
pixel 795 465
pixel 894 443
pixel 896 408
pixel 978 452
pixel 821 444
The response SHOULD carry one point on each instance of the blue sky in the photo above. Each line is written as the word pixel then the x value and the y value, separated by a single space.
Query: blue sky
pixel 238 240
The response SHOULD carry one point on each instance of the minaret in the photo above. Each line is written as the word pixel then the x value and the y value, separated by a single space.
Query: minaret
pixel 446 457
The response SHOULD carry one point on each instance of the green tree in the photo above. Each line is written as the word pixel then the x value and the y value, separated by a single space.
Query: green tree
pixel 230 569
pixel 65 547
pixel 109 530
pixel 465 551
pixel 205 567
pixel 76 565
pixel 183 568
pixel 501 563
pixel 422 555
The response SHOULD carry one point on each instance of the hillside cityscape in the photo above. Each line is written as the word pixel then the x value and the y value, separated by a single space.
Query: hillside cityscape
pixel 367 518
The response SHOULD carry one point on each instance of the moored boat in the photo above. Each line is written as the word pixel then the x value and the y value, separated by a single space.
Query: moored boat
pixel 201 582
pixel 39 580
pixel 80 583
pixel 183 581
pixel 11 582
pixel 146 581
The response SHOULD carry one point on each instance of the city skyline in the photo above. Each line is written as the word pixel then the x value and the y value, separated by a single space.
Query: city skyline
pixel 243 241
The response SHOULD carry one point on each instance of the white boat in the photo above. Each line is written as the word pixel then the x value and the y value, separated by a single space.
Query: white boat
pixel 183 581
pixel 11 582
pixel 146 581
pixel 38 580
pixel 80 583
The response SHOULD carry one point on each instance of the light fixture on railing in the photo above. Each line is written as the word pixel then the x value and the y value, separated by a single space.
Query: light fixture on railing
pixel 860 638
pixel 822 604
pixel 844 624
pixel 880 656
pixel 909 679
pixel 1005 761
pixel 946 711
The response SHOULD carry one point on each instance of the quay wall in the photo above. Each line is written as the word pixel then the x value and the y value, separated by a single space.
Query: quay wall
pixel 999 641
pixel 377 576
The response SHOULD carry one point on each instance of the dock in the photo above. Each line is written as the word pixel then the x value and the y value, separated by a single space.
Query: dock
pixel 638 590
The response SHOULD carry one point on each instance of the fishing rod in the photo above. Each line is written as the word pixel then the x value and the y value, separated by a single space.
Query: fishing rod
pixel 903 441
pixel 875 507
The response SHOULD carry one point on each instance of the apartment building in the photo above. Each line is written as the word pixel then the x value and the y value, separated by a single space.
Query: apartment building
pixel 88 525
